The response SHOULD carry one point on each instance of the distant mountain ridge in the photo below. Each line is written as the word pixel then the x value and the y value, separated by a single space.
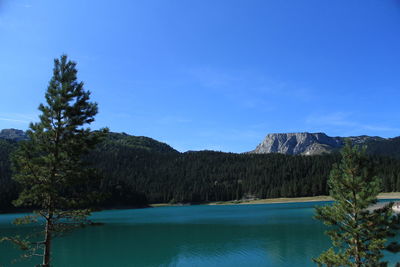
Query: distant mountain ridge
pixel 13 134
pixel 114 139
pixel 305 143
pixel 302 143
pixel 138 142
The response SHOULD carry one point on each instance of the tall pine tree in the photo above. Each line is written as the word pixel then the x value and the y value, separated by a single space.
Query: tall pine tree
pixel 50 166
pixel 359 233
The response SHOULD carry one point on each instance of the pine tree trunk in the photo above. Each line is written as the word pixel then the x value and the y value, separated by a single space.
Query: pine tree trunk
pixel 357 256
pixel 47 242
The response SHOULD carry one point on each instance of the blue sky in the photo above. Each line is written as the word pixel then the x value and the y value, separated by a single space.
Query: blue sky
pixel 210 74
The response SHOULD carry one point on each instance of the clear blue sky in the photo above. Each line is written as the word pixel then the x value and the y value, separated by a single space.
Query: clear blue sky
pixel 210 74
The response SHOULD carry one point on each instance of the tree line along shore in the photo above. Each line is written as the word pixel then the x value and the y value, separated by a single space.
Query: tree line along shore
pixel 391 196
pixel 137 171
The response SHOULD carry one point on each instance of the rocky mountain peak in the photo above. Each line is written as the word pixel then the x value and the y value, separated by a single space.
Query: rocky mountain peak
pixel 304 143
pixel 13 134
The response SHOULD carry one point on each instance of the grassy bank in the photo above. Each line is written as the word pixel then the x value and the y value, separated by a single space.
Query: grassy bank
pixel 392 195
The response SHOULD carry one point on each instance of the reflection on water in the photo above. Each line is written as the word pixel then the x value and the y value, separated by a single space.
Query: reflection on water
pixel 256 235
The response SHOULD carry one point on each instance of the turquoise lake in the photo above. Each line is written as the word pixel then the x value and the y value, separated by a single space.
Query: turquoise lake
pixel 237 235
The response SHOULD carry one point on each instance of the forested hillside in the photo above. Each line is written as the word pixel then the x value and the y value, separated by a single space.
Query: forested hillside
pixel 214 176
pixel 388 147
pixel 135 171
pixel 8 189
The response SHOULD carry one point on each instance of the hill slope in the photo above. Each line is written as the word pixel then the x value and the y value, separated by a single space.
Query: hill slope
pixel 138 142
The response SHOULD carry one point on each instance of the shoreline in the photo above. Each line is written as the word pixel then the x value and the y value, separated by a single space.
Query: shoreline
pixel 392 195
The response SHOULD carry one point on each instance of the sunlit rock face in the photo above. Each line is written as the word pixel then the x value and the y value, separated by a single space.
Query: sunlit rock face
pixel 305 143
pixel 13 134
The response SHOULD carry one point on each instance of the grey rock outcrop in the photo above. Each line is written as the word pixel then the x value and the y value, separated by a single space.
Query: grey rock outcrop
pixel 13 134
pixel 305 143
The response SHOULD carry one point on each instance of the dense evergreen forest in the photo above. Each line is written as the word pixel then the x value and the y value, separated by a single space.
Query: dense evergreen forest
pixel 135 171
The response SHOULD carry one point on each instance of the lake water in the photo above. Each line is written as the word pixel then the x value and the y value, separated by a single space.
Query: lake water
pixel 238 235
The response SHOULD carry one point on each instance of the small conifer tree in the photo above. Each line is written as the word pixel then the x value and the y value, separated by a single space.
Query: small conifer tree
pixel 50 166
pixel 359 234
